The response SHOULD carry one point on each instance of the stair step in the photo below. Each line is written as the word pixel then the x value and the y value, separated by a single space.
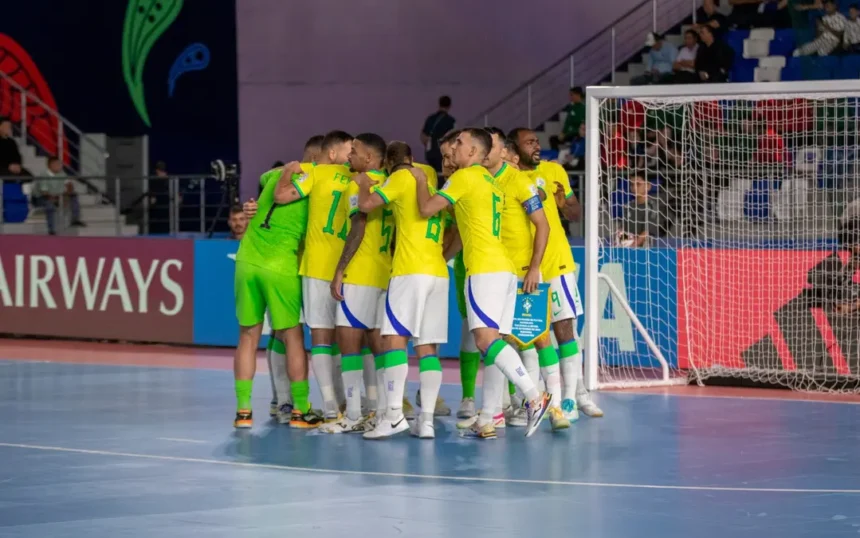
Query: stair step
pixel 552 127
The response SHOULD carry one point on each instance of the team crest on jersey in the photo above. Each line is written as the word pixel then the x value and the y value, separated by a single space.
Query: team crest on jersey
pixel 445 186
pixel 302 178
pixel 540 182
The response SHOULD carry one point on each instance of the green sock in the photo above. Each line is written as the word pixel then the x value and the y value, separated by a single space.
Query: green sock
pixel 547 356
pixel 470 361
pixel 512 389
pixel 243 393
pixel 300 391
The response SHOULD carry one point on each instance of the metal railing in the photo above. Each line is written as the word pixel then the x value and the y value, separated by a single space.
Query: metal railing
pixel 152 205
pixel 38 123
pixel 545 94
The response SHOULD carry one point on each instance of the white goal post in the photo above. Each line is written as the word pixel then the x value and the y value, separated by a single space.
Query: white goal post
pixel 720 243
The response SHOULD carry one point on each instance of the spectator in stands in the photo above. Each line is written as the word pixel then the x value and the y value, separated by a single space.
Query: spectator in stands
pixel 238 222
pixel 851 37
pixel 56 188
pixel 641 219
pixel 714 58
pixel 435 127
pixel 685 63
pixel 10 157
pixel 758 13
pixel 713 19
pixel 575 117
pixel 658 62
pixel 830 29
pixel 573 159
pixel 799 12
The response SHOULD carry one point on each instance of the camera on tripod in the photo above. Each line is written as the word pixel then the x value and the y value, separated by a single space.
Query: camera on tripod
pixel 228 173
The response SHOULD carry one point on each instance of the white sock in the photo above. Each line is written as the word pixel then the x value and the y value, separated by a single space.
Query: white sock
pixel 508 361
pixel 381 400
pixel 278 369
pixel 506 398
pixel 569 376
pixel 552 376
pixel 532 364
pixel 321 361
pixel 337 377
pixel 271 373
pixel 430 377
pixel 492 390
pixel 353 374
pixel 396 372
pixel 579 375
pixel 369 378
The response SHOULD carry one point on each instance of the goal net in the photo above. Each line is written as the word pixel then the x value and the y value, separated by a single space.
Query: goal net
pixel 720 223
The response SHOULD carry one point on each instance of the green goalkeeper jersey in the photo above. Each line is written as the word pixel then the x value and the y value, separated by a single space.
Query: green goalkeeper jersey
pixel 275 234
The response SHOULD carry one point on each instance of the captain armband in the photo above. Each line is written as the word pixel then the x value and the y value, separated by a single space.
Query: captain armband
pixel 532 204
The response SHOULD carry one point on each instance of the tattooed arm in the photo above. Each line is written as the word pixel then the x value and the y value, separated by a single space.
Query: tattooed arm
pixel 353 241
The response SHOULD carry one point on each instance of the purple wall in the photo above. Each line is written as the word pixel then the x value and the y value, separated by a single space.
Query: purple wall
pixel 306 66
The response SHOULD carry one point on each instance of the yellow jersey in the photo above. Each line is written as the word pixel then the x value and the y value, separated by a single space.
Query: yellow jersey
pixel 371 264
pixel 327 226
pixel 558 258
pixel 478 206
pixel 521 199
pixel 430 172
pixel 419 240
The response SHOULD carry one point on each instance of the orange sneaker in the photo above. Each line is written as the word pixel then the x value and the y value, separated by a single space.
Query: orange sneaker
pixel 244 419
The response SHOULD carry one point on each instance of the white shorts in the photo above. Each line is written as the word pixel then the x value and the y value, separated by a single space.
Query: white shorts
pixel 564 297
pixel 362 307
pixel 318 306
pixel 490 301
pixel 417 306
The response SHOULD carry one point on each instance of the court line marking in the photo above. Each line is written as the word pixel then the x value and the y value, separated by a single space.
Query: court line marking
pixel 637 392
pixel 441 478
pixel 180 440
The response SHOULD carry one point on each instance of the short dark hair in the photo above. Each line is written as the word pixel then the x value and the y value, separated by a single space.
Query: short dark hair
pixel 496 131
pixel 707 28
pixel 316 140
pixel 692 33
pixel 514 134
pixel 444 102
pixel 277 164
pixel 481 136
pixel 161 166
pixel 235 209
pixel 578 91
pixel 333 138
pixel 450 136
pixel 398 153
pixel 374 141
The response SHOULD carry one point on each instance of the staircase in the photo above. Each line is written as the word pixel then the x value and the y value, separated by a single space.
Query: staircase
pixel 539 101
pixel 41 132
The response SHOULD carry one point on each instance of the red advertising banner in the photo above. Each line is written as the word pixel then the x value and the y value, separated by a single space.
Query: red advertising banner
pixel 112 288
pixel 768 309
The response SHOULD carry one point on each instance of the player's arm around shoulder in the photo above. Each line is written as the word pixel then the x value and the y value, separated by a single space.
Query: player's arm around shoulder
pixel 430 204
pixel 565 199
pixel 372 196
pixel 289 190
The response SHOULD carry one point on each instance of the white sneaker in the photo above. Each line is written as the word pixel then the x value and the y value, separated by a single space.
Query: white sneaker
pixel 386 428
pixel 588 407
pixel 285 413
pixel 423 429
pixel 568 407
pixel 345 425
pixel 536 411
pixel 467 408
pixel 465 424
pixel 518 417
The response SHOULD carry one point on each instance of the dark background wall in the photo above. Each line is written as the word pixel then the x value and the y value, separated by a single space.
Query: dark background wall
pixel 77 46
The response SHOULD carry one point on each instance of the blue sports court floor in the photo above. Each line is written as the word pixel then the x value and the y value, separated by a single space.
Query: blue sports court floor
pixel 90 448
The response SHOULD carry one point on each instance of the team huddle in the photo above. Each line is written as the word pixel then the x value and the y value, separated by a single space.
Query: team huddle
pixel 359 252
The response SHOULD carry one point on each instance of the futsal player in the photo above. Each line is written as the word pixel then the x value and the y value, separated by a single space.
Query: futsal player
pixel 559 270
pixel 416 306
pixel 491 283
pixel 360 281
pixel 267 277
pixel 327 230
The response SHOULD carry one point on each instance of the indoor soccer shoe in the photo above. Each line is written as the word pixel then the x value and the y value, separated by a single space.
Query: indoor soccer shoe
pixel 467 408
pixel 307 421
pixel 386 428
pixel 285 413
pixel 441 409
pixel 487 431
pixel 273 408
pixel 557 419
pixel 346 425
pixel 536 411
pixel 244 419
pixel 423 429
pixel 517 417
pixel 465 424
pixel 588 407
pixel 408 410
pixel 568 407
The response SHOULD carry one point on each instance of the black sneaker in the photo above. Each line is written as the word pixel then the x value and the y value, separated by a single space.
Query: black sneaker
pixel 311 419
pixel 244 419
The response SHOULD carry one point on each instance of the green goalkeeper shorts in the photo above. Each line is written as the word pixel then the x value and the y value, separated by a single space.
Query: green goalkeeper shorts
pixel 460 283
pixel 258 289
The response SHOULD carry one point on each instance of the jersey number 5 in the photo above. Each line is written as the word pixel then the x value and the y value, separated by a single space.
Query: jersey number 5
pixel 497 217
pixel 329 225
